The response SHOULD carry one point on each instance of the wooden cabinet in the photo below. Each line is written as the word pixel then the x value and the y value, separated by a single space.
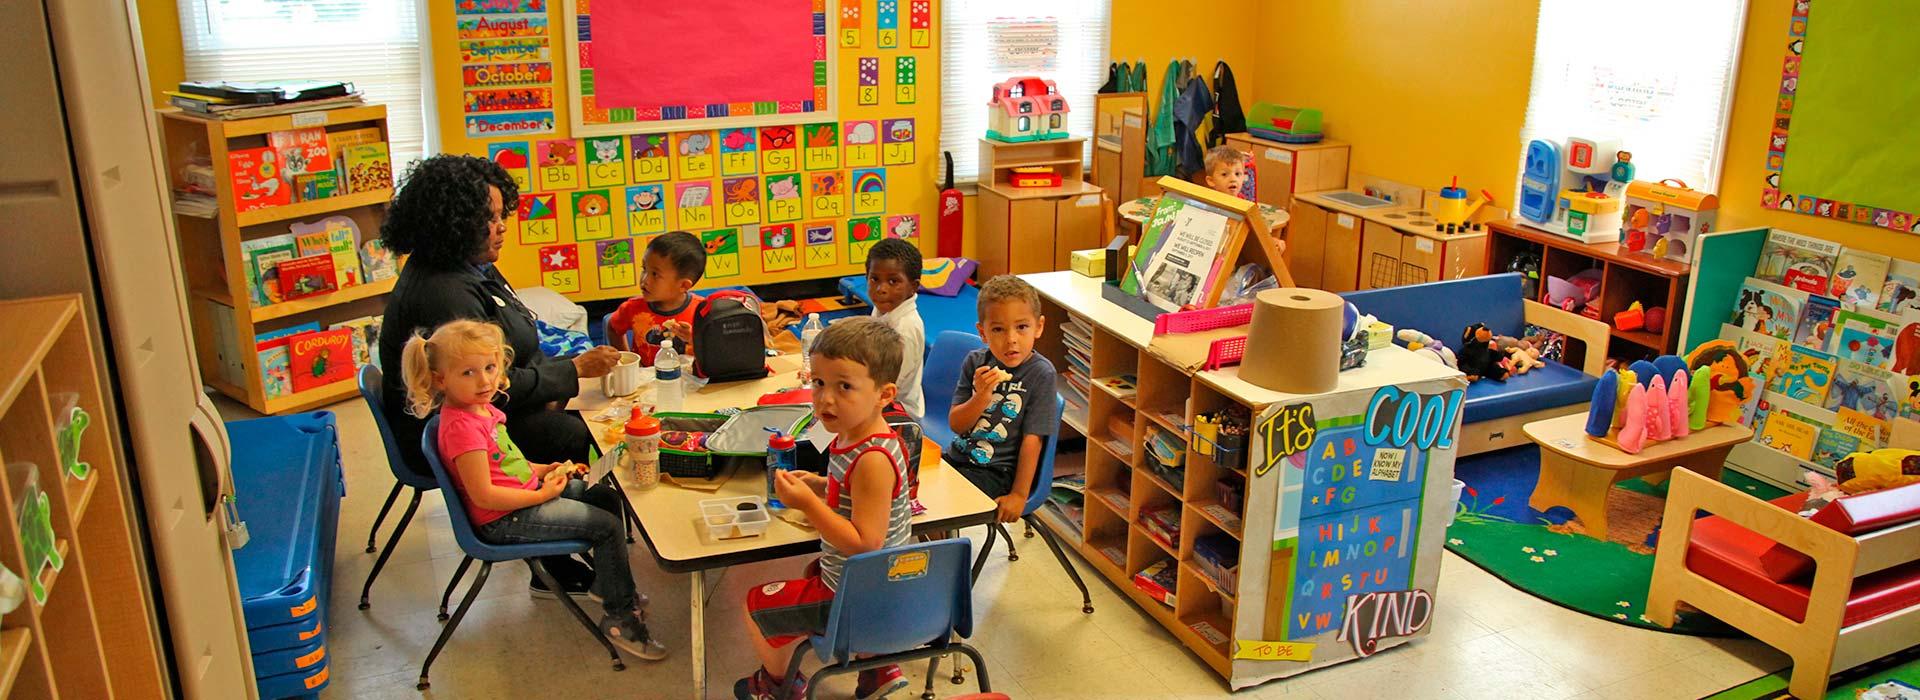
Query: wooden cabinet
pixel 1626 276
pixel 1339 249
pixel 1035 229
pixel 1282 169
pixel 1119 157
pixel 1395 256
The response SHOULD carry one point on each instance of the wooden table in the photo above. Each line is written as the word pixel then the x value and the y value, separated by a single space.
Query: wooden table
pixel 1577 471
pixel 670 515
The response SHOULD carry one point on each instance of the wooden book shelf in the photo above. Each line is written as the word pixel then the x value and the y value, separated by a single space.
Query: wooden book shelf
pixel 1626 277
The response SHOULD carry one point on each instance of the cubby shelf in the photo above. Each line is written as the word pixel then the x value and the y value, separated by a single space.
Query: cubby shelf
pixel 1626 276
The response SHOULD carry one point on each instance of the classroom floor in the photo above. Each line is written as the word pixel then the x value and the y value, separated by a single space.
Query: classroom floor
pixel 1489 640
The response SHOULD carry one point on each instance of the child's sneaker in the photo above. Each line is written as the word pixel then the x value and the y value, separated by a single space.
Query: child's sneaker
pixel 879 683
pixel 762 686
pixel 630 635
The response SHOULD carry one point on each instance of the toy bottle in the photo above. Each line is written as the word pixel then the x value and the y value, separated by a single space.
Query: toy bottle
pixel 781 456
pixel 1658 411
pixel 1600 411
pixel 1633 430
pixel 642 461
pixel 1699 394
pixel 668 392
pixel 808 333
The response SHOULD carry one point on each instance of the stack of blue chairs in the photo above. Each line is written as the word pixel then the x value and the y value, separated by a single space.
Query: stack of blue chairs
pixel 288 481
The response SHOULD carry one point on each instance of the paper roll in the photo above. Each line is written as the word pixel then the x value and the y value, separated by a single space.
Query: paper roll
pixel 1293 345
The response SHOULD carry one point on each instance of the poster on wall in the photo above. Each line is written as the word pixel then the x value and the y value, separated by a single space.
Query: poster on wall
pixel 693 201
pixel 822 251
pixel 784 203
pixel 738 154
pixel 592 215
pixel 849 24
pixel 886 23
pixel 723 252
pixel 869 78
pixel 822 143
pixel 539 218
pixel 615 262
pixel 920 23
pixel 694 152
pixel 513 157
pixel 827 195
pixel 862 140
pixel 506 67
pixel 560 268
pixel 740 200
pixel 906 80
pixel 870 191
pixel 897 142
pixel 779 150
pixel 862 234
pixel 777 248
pixel 649 157
pixel 646 210
pixel 557 166
pixel 606 161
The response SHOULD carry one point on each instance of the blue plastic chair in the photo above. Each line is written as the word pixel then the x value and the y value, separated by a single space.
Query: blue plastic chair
pixel 404 477
pixel 1042 487
pixel 939 376
pixel 900 605
pixel 489 554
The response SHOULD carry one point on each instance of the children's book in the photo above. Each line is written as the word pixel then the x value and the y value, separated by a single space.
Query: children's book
pixel 337 236
pixel 1800 262
pixel 256 177
pixel 1815 329
pixel 1765 354
pixel 271 347
pixel 376 261
pixel 338 141
pixel 301 151
pixel 366 338
pixel 1791 434
pixel 1865 336
pixel 1806 376
pixel 320 358
pixel 310 239
pixel 1858 277
pixel 1870 430
pixel 1832 446
pixel 368 167
pixel 307 276
pixel 1870 390
pixel 1768 308
pixel 1901 293
pixel 312 186
pixel 263 257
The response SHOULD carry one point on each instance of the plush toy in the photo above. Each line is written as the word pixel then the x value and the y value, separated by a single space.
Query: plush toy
pixel 1863 472
pixel 1479 356
pixel 1659 412
pixel 1522 357
pixel 1678 394
pixel 1627 381
pixel 1633 429
pixel 1600 410
pixel 1719 365
pixel 1417 341
pixel 1820 491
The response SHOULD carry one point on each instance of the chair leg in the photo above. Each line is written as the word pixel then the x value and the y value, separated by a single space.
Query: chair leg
pixel 1012 554
pixel 381 563
pixel 933 667
pixel 979 666
pixel 458 574
pixel 981 562
pixel 578 614
pixel 479 581
pixel 382 517
pixel 1029 532
pixel 1086 599
pixel 793 667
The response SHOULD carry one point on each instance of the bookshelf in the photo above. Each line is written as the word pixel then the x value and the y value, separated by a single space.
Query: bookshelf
pixel 1626 277
pixel 225 318
pixel 96 607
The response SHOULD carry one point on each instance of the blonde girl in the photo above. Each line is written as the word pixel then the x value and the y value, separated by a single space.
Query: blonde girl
pixel 460 369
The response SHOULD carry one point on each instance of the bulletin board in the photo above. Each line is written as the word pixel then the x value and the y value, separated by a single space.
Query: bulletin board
pixel 1845 106
pixel 773 202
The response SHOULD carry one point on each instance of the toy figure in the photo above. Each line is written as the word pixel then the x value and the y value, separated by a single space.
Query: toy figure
pixel 1863 472
pixel 1820 491
pixel 1417 341
pixel 1678 396
pixel 1622 167
pixel 1633 428
pixel 1658 411
pixel 1698 396
pixel 1479 356
pixel 36 537
pixel 1726 375
pixel 77 422
pixel 1628 380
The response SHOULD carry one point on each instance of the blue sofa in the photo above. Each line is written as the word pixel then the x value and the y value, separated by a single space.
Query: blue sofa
pixel 1495 410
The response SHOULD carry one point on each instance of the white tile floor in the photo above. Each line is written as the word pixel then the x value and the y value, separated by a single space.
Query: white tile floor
pixel 1489 640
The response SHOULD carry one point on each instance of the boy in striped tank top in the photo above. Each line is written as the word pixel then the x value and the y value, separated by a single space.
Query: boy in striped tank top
pixel 861 505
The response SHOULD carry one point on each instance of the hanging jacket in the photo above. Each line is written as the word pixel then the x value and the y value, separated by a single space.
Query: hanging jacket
pixel 1227 116
pixel 1160 137
pixel 1191 107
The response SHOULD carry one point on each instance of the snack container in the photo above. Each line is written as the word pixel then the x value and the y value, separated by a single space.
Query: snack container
pixel 726 520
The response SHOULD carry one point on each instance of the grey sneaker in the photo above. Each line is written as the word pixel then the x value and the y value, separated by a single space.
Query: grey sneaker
pixel 629 634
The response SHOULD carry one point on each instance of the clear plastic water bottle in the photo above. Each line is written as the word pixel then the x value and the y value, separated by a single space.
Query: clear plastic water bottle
pixel 808 333
pixel 781 456
pixel 668 393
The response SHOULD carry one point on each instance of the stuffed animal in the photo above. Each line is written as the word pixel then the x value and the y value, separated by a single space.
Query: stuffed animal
pixel 1820 491
pixel 1862 472
pixel 1522 357
pixel 1479 356
pixel 1417 341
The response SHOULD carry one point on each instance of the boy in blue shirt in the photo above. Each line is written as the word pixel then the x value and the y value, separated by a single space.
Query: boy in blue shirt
pixel 1003 408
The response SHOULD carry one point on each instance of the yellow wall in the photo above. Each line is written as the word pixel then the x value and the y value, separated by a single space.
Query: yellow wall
pixel 1155 31
pixel 160 35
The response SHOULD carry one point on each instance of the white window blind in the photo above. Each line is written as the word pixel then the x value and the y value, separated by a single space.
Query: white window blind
pixel 986 41
pixel 375 44
pixel 1656 74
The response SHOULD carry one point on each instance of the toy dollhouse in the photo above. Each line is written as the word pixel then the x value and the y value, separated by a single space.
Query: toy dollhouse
pixel 1026 108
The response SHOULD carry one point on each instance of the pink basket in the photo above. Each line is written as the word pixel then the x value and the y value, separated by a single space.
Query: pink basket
pixel 1225 352
pixel 1200 320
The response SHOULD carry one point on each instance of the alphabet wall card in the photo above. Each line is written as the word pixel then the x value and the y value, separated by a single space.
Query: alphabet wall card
pixel 559 165
pixel 887 20
pixel 779 149
pixel 560 268
pixel 695 151
pixel 778 250
pixel 862 234
pixel 606 161
pixel 539 218
pixel 905 226
pixel 784 202
pixel 869 80
pixel 822 146
pixel 513 157
pixel 737 152
pixel 863 144
pixel 615 260
pixel 897 142
pixel 740 198
pixel 821 250
pixel 870 191
pixel 723 252
pixel 646 210
pixel 694 202
pixel 920 23
pixel 592 215
pixel 849 24
pixel 827 195
pixel 649 157
pixel 906 80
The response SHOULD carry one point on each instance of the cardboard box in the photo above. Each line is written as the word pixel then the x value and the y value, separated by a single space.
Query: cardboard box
pixel 1091 262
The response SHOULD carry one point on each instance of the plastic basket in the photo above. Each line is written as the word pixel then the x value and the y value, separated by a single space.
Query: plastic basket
pixel 1200 320
pixel 1226 352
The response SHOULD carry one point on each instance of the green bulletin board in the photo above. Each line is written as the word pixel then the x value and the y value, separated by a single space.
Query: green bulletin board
pixel 1847 106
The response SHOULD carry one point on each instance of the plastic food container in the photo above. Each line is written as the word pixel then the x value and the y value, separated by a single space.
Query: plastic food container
pixel 735 518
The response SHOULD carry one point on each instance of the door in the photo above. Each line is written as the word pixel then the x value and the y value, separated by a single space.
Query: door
pixel 1340 262
pixel 1077 226
pixel 1306 243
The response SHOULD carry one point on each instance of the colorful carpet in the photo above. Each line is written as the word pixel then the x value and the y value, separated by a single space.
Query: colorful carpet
pixel 1549 556
pixel 1901 668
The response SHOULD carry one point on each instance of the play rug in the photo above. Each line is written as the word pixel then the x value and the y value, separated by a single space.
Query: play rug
pixel 1546 555
pixel 1903 667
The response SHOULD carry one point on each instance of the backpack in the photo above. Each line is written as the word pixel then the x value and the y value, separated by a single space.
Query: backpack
pixel 729 337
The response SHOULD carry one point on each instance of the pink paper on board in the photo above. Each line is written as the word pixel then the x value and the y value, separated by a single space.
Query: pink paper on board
pixel 654 53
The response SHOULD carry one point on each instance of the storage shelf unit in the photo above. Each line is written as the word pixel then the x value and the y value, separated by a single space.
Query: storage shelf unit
pixel 1626 277
pixel 225 321
pixel 96 605
pixel 1035 229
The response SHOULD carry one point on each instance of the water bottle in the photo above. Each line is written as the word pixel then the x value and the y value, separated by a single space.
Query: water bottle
pixel 668 392
pixel 781 457
pixel 808 333
pixel 642 460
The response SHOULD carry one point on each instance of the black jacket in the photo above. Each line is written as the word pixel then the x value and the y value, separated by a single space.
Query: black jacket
pixel 425 297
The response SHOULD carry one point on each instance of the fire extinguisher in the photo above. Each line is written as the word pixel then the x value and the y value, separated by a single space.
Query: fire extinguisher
pixel 952 214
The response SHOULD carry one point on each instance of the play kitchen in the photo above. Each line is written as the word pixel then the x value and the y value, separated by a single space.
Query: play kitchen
pixel 1387 234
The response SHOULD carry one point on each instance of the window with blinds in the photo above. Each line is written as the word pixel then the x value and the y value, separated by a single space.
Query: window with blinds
pixel 986 41
pixel 1656 74
pixel 375 44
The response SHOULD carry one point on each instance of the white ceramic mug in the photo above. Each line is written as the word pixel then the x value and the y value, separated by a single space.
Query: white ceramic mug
pixel 625 377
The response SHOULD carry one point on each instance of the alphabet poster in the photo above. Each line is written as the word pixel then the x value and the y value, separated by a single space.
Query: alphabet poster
pixel 777 248
pixel 513 157
pixel 694 149
pixel 559 165
pixel 862 234
pixel 905 226
pixel 737 152
pixel 606 161
pixel 646 210
pixel 539 218
pixel 822 146
pixel 869 191
pixel 694 204
pixel 784 203
pixel 723 252
pixel 615 260
pixel 898 142
pixel 649 152
pixel 821 249
pixel 741 200
pixel 560 268
pixel 779 150
pixel 827 195
pixel 592 215
pixel 863 144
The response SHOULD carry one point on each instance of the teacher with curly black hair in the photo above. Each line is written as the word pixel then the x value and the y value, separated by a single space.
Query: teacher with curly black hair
pixel 450 216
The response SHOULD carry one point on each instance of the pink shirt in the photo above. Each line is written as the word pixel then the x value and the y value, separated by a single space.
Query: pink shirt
pixel 465 431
